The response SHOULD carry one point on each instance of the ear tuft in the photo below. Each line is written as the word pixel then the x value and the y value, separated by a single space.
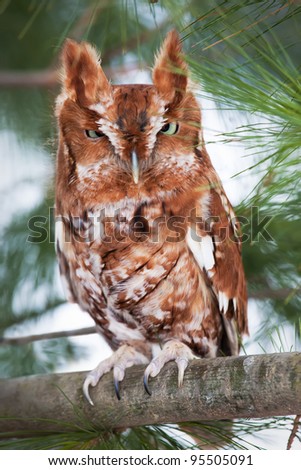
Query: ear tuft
pixel 83 78
pixel 170 70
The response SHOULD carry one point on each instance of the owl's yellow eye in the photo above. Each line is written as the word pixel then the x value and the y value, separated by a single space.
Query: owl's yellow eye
pixel 170 128
pixel 93 134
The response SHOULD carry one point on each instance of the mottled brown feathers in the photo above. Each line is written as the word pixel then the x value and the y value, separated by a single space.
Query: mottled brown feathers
pixel 83 78
pixel 147 240
pixel 170 71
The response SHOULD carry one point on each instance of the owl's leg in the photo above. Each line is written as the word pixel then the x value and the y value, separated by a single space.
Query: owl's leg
pixel 173 350
pixel 125 356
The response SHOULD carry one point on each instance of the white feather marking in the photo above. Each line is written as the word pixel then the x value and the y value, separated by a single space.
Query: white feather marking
pixel 202 250
pixel 180 304
pixel 160 314
pixel 232 215
pixel 220 301
pixel 156 123
pixel 205 205
pixel 59 234
pixel 207 248
pixel 226 303
pixel 121 330
pixel 194 247
pixel 223 302
pixel 234 300
pixel 102 107
pixel 171 161
pixel 111 130
pixel 62 240
pixel 225 203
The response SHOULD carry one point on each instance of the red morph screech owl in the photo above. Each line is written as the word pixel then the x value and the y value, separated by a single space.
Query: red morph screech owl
pixel 147 241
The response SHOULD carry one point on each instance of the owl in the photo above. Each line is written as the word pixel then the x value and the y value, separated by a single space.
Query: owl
pixel 146 238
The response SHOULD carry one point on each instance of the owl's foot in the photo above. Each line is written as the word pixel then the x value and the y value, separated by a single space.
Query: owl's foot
pixel 126 356
pixel 172 351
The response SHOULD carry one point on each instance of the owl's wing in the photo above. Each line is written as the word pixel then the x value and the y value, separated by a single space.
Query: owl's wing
pixel 215 244
pixel 64 256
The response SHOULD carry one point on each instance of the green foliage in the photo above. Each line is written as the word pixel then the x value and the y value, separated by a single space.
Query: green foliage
pixel 164 437
pixel 247 60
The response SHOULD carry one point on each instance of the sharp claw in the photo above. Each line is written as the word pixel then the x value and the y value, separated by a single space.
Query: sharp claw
pixel 146 386
pixel 86 391
pixel 182 364
pixel 117 390
pixel 118 374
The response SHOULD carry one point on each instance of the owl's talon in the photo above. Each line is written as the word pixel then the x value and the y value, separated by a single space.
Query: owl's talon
pixel 151 371
pixel 145 383
pixel 117 389
pixel 182 365
pixel 174 350
pixel 86 393
pixel 118 374
pixel 126 356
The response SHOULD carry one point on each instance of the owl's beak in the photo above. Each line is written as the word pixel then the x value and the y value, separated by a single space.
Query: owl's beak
pixel 135 167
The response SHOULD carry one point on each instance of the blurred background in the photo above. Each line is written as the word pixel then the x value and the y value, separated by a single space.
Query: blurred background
pixel 245 60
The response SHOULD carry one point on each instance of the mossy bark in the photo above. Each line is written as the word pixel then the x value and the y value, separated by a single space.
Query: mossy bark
pixel 214 389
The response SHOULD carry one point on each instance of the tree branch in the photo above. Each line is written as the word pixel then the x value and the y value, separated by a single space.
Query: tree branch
pixel 221 388
pixel 274 294
pixel 35 78
pixel 53 335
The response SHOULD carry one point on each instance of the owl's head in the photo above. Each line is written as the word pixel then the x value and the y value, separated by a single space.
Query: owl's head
pixel 131 137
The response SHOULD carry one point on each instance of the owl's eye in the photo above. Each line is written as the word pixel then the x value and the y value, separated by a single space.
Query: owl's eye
pixel 170 128
pixel 93 134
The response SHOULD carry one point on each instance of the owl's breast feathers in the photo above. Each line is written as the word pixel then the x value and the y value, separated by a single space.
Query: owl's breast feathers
pixel 158 269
